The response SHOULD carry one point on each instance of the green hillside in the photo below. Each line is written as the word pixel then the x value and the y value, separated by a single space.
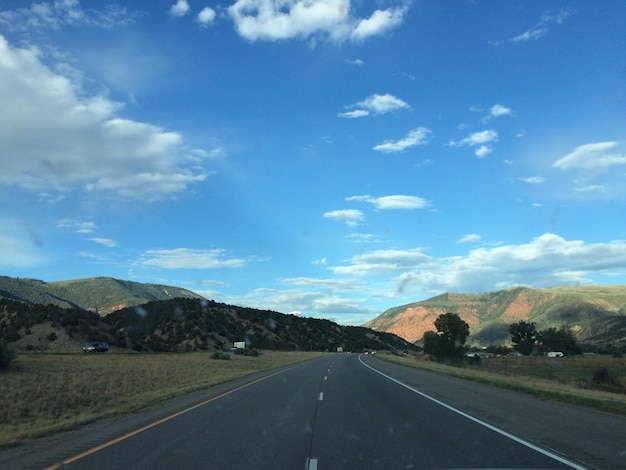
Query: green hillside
pixel 97 294
pixel 592 312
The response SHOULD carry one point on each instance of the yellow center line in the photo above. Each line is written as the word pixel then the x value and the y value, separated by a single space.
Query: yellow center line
pixel 154 424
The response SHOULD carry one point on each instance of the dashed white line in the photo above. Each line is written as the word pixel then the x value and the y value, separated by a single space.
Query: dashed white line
pixel 321 397
pixel 311 464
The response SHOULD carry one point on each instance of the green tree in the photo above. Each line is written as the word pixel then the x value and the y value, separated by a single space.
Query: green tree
pixel 7 354
pixel 524 336
pixel 559 340
pixel 448 342
pixel 431 343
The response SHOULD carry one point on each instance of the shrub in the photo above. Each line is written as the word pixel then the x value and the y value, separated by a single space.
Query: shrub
pixel 247 352
pixel 603 379
pixel 220 356
pixel 7 354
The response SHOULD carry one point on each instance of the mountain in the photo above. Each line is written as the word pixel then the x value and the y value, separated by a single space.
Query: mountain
pixel 102 295
pixel 596 314
pixel 179 325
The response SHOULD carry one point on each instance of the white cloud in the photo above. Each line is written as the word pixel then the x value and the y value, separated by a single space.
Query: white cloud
pixel 375 104
pixel 477 138
pixel 186 258
pixel 79 227
pixel 207 16
pixel 179 9
pixel 547 260
pixel 470 238
pixel 321 297
pixel 592 157
pixel 384 262
pixel 591 188
pixel 63 13
pixel 483 151
pixel 363 238
pixel 498 110
pixel 285 19
pixel 104 241
pixel 99 150
pixel 532 179
pixel 378 23
pixel 481 138
pixel 358 62
pixel 415 137
pixel 541 28
pixel 357 113
pixel 352 217
pixel 393 202
pixel 381 104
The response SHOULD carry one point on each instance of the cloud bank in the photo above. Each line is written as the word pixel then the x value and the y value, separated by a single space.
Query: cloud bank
pixel 56 136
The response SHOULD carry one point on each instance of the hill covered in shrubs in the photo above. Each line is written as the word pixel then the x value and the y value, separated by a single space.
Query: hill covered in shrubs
pixel 179 325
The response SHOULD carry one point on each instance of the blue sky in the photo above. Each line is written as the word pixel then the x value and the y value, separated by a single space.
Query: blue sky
pixel 330 158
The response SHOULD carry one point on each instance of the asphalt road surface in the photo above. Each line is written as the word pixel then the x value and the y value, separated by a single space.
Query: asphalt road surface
pixel 338 412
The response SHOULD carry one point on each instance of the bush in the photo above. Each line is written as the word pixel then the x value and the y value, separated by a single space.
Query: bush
pixel 220 356
pixel 7 354
pixel 247 352
pixel 604 380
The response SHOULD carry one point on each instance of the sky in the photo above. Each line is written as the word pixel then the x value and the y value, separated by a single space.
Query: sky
pixel 325 158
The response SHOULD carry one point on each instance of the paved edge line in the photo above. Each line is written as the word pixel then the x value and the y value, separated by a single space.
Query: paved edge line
pixel 93 450
pixel 502 432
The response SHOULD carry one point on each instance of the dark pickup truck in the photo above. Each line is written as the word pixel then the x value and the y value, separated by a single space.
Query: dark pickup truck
pixel 96 347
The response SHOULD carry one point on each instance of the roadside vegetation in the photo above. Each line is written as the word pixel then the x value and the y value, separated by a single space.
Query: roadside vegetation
pixel 46 393
pixel 547 364
pixel 597 382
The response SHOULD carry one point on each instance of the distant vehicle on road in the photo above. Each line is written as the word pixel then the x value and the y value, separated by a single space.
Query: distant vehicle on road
pixel 555 354
pixel 96 347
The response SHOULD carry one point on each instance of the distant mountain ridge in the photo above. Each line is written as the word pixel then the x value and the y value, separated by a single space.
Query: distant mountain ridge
pixel 102 295
pixel 596 314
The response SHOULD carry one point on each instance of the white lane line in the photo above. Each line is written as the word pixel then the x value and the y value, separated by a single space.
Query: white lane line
pixel 311 464
pixel 325 377
pixel 482 423
pixel 321 397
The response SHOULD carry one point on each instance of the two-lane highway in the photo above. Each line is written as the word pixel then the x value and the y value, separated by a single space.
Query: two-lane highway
pixel 336 412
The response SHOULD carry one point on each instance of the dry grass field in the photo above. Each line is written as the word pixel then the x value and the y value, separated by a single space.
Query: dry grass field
pixel 45 393
pixel 565 379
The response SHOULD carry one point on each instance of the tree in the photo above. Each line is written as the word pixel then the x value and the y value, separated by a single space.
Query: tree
pixel 431 343
pixel 448 342
pixel 559 340
pixel 524 336
pixel 7 354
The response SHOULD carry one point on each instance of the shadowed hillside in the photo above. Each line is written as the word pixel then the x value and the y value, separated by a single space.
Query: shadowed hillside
pixel 180 325
pixel 596 314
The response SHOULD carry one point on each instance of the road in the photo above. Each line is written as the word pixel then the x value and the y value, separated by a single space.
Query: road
pixel 338 412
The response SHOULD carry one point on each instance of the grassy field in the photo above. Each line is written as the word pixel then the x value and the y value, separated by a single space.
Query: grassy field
pixel 566 379
pixel 45 393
